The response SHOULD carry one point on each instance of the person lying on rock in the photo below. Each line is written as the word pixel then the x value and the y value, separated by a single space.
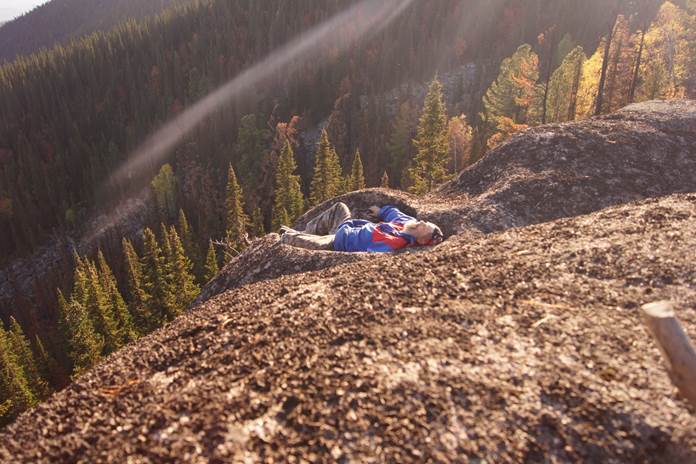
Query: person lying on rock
pixel 336 230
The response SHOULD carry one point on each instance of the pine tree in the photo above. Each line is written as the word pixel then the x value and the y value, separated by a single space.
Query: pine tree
pixel 430 165
pixel 124 322
pixel 15 394
pixel 289 201
pixel 211 264
pixel 190 246
pixel 251 145
pixel 564 87
pixel 327 180
pixel 384 182
pixel 140 299
pixel 237 220
pixel 25 357
pixel 164 189
pixel 46 364
pixel 185 288
pixel 157 281
pixel 357 176
pixel 85 344
pixel 400 147
pixel 513 100
pixel 257 227
pixel 166 247
pixel 100 311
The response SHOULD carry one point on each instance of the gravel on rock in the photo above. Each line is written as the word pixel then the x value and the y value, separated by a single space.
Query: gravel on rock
pixel 503 344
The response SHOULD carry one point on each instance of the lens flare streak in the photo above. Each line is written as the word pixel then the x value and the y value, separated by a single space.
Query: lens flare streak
pixel 337 34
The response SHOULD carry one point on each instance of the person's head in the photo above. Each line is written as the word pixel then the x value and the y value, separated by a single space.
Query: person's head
pixel 425 233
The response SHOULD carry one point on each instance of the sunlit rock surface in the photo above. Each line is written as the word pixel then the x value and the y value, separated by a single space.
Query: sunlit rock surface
pixel 516 340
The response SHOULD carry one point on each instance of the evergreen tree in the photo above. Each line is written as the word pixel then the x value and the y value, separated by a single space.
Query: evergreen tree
pixel 126 331
pixel 15 394
pixel 140 299
pixel 257 227
pixel 384 182
pixel 164 189
pixel 185 288
pixel 100 311
pixel 190 246
pixel 400 147
pixel 289 201
pixel 430 165
pixel 85 344
pixel 166 249
pixel 211 264
pixel 237 220
pixel 47 366
pixel 564 87
pixel 511 100
pixel 327 180
pixel 157 281
pixel 357 176
pixel 251 146
pixel 25 357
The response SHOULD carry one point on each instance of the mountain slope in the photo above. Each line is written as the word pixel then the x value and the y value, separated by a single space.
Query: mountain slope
pixel 58 21
pixel 523 344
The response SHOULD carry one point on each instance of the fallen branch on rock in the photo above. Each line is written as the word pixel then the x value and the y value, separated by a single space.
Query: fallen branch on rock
pixel 675 345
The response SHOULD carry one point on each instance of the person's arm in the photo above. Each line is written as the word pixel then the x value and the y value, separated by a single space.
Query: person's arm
pixel 392 214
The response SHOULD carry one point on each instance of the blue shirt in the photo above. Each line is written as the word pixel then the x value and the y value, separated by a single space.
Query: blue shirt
pixel 358 235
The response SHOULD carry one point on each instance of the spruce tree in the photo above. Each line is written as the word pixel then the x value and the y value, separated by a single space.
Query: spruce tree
pixel 257 227
pixel 166 245
pixel 384 182
pixel 400 146
pixel 327 180
pixel 514 99
pixel 140 300
pixel 125 328
pixel 15 394
pixel 25 356
pixel 157 281
pixel 190 246
pixel 164 188
pixel 46 364
pixel 185 288
pixel 564 87
pixel 100 311
pixel 237 220
pixel 85 344
pixel 211 263
pixel 357 176
pixel 430 165
pixel 289 201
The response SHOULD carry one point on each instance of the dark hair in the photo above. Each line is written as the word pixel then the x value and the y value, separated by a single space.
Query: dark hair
pixel 438 237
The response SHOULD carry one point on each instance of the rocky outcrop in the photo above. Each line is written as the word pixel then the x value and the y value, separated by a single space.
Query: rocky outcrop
pixel 545 173
pixel 523 344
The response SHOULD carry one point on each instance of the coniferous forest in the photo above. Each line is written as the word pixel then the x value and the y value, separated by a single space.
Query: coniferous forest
pixel 406 108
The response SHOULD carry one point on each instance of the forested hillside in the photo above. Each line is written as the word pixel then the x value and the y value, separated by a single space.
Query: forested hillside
pixel 58 21
pixel 377 115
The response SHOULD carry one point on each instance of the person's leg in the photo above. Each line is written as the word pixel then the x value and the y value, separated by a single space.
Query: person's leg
pixel 307 241
pixel 329 221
